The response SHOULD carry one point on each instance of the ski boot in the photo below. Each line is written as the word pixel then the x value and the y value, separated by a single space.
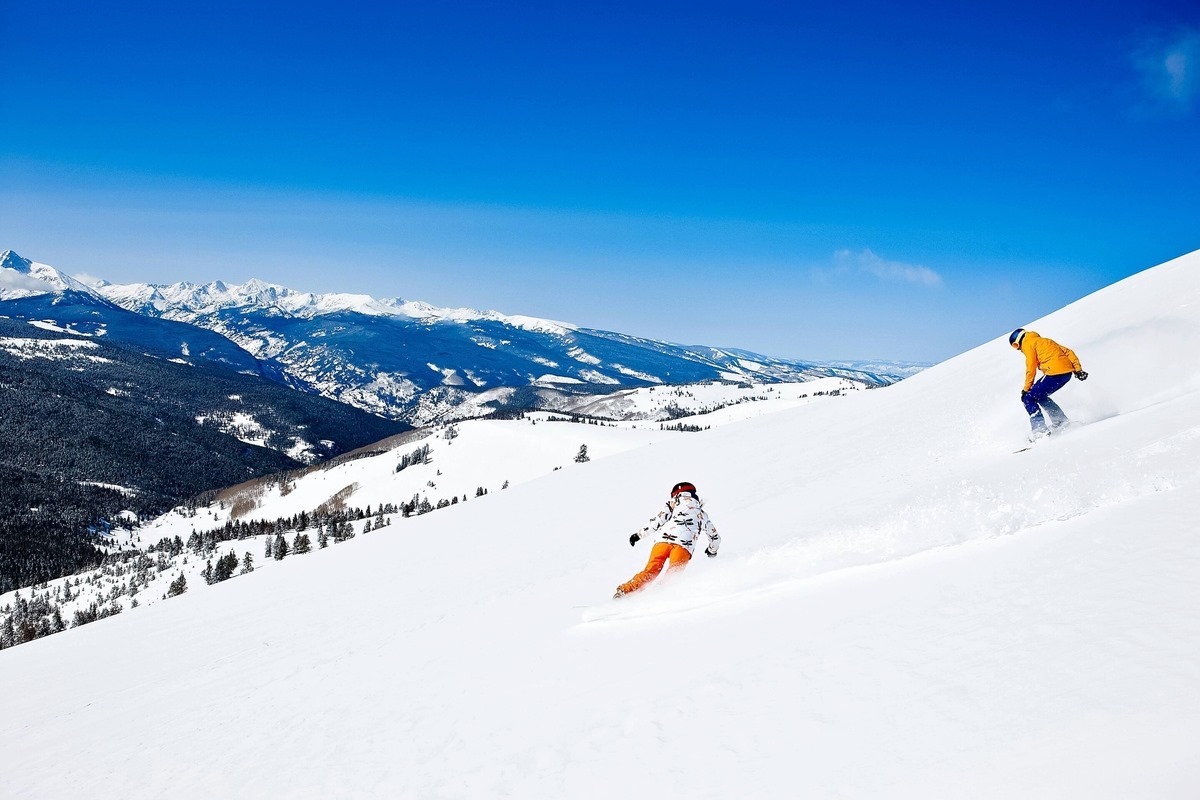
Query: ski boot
pixel 1037 434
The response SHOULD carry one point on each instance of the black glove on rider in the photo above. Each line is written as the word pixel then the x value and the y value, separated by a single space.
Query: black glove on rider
pixel 1081 375
pixel 710 553
pixel 634 539
pixel 1024 395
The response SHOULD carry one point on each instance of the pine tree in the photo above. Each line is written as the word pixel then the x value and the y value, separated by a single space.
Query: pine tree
pixel 8 634
pixel 226 565
pixel 301 544
pixel 247 563
pixel 582 456
pixel 281 547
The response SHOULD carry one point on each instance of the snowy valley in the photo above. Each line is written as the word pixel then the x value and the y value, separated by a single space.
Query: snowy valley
pixel 902 607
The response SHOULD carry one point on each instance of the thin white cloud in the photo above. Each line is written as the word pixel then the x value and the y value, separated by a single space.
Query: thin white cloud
pixel 867 262
pixel 88 279
pixel 1170 69
pixel 11 279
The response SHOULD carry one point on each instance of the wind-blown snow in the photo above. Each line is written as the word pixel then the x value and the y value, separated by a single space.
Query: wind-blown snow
pixel 902 608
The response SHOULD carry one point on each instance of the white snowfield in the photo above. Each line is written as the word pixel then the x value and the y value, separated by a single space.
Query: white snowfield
pixel 902 608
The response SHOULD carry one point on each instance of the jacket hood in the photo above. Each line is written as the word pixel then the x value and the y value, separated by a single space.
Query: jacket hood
pixel 1026 336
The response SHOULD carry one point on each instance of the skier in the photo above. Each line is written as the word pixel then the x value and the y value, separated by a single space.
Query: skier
pixel 677 526
pixel 1057 364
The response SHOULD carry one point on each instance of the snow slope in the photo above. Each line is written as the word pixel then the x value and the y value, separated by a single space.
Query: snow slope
pixel 902 607
pixel 461 461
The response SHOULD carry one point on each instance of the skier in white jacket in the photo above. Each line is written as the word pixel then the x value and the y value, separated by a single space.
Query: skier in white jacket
pixel 677 527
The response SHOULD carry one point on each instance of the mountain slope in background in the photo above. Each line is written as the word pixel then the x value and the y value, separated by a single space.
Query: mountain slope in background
pixel 85 314
pixel 402 359
pixel 902 607
pixel 91 429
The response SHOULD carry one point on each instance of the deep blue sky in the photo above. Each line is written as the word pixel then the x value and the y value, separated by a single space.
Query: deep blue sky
pixel 849 180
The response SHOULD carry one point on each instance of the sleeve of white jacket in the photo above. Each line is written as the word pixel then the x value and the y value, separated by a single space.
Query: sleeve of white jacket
pixel 655 525
pixel 710 530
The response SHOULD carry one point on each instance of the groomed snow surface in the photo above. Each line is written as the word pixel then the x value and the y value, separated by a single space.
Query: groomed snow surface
pixel 902 608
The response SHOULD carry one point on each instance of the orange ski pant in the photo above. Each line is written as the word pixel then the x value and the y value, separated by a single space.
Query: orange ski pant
pixel 663 553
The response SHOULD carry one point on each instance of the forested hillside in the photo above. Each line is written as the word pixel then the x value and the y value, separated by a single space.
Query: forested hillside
pixel 90 430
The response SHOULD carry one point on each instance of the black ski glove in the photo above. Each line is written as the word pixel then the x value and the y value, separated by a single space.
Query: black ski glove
pixel 634 539
pixel 710 553
pixel 1081 375
pixel 1024 395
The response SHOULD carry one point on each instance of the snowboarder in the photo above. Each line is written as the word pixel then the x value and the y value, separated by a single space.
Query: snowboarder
pixel 677 527
pixel 1057 364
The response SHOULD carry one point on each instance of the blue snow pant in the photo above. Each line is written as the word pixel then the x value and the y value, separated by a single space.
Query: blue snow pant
pixel 1037 400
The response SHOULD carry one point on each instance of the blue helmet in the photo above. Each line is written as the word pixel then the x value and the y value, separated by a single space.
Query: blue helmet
pixel 1016 336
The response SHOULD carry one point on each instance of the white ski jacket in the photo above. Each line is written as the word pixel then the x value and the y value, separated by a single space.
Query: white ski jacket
pixel 681 522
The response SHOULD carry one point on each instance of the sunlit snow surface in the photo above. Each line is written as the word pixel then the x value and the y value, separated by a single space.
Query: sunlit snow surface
pixel 902 607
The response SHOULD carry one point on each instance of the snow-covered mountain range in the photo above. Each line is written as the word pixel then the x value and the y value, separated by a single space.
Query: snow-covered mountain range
pixel 902 607
pixel 415 362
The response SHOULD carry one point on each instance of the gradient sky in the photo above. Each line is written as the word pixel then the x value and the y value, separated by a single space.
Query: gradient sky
pixel 824 181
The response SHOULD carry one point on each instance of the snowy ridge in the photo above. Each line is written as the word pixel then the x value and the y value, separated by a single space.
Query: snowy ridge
pixel 188 302
pixel 20 277
pixel 901 608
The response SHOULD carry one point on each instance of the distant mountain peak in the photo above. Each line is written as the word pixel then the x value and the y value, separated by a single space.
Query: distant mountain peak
pixel 20 277
pixel 10 260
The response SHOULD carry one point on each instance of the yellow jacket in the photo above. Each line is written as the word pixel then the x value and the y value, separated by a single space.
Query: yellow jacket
pixel 1047 355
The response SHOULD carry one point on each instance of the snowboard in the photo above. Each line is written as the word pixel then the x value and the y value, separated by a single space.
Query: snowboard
pixel 1053 434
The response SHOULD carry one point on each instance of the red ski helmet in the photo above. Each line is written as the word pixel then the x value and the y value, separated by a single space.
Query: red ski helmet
pixel 682 487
